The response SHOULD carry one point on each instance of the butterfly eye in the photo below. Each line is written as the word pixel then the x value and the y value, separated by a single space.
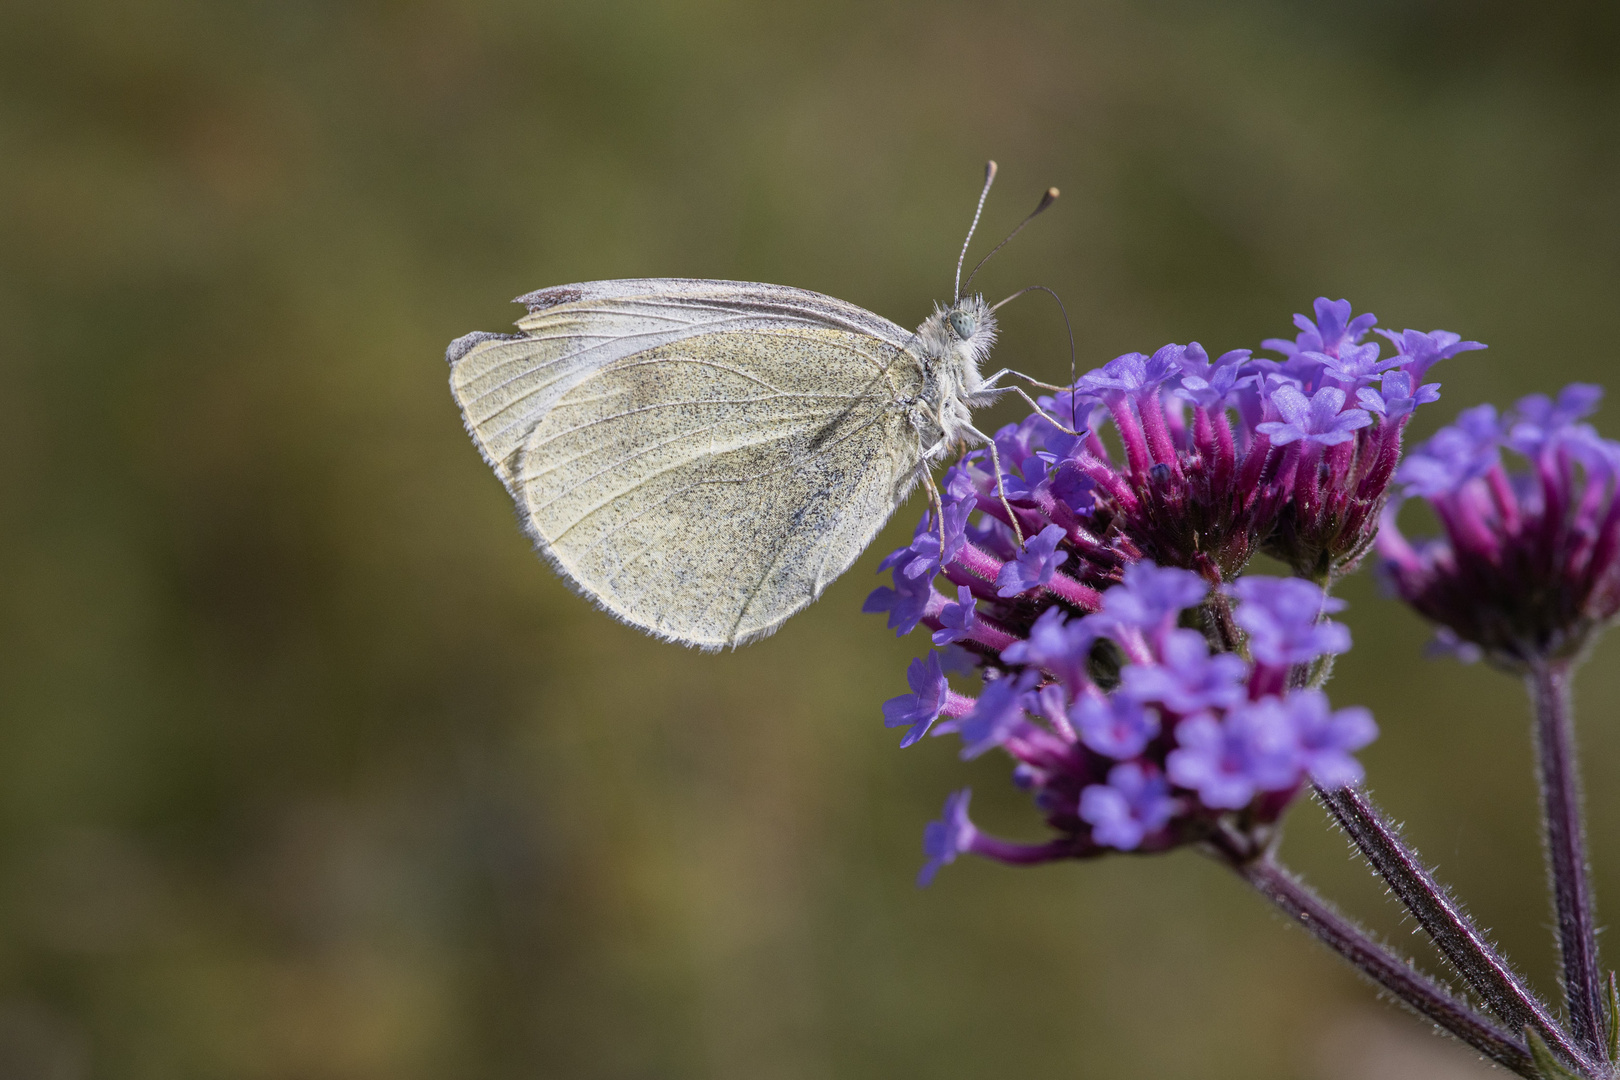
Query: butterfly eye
pixel 963 323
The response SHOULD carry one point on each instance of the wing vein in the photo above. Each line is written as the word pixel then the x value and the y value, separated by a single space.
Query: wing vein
pixel 659 405
pixel 641 482
pixel 529 478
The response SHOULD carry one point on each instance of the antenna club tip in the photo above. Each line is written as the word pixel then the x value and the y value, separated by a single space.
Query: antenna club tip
pixel 989 169
pixel 1052 193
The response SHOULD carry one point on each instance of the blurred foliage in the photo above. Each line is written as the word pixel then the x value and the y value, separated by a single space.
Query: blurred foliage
pixel 309 769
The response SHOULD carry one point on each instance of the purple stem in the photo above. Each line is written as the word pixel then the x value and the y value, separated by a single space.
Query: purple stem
pixel 1566 850
pixel 1157 431
pixel 1130 433
pixel 1219 608
pixel 1375 961
pixel 1507 502
pixel 1013 854
pixel 979 562
pixel 1081 596
pixel 1453 932
pixel 991 634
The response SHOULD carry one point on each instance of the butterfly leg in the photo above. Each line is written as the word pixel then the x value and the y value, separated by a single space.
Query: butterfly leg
pixel 991 380
pixel 939 508
pixel 1001 491
pixel 941 444
pixel 1048 417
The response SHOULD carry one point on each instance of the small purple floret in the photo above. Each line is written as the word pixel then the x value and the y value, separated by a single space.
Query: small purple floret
pixel 1537 420
pixel 998 714
pixel 1136 801
pixel 958 620
pixel 1332 329
pixel 1116 726
pixel 1327 738
pixel 1130 374
pixel 1318 418
pixel 1211 390
pixel 1229 761
pixel 950 836
pixel 906 603
pixel 1149 596
pixel 1037 561
pixel 1188 679
pixel 1422 351
pixel 1397 398
pixel 1281 616
pixel 1356 365
pixel 922 557
pixel 1058 644
pixel 922 706
pixel 1455 455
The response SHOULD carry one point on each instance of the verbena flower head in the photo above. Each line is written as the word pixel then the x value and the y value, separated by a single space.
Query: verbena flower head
pixel 1215 460
pixel 1529 564
pixel 1129 732
pixel 1221 459
pixel 1148 693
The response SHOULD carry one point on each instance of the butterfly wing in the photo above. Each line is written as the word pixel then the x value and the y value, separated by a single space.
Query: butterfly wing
pixel 505 383
pixel 700 458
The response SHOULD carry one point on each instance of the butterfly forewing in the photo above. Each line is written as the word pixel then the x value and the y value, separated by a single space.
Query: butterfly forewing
pixel 702 462
pixel 505 384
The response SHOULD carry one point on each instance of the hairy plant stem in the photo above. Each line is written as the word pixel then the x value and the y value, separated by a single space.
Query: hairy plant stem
pixel 1565 838
pixel 1374 959
pixel 1454 933
pixel 1218 613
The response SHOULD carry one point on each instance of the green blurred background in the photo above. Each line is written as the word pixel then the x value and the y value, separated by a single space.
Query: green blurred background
pixel 309 769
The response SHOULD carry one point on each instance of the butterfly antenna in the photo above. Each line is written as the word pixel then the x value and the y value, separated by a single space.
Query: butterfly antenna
pixel 989 178
pixel 1067 325
pixel 1047 200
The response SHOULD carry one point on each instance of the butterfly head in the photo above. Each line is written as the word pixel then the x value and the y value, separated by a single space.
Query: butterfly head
pixel 966 329
pixel 958 338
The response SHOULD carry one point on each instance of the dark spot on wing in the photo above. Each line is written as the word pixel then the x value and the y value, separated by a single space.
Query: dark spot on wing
pixel 545 298
pixel 820 438
pixel 825 433
pixel 464 344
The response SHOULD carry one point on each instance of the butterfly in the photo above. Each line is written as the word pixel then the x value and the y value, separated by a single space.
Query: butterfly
pixel 702 458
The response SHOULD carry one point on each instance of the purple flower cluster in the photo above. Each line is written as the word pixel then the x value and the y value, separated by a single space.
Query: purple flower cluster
pixel 1149 693
pixel 1220 459
pixel 1153 697
pixel 1529 565
pixel 1131 733
pixel 1224 458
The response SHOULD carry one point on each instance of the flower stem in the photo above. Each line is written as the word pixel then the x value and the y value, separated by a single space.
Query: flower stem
pixel 1454 933
pixel 1218 612
pixel 1375 961
pixel 1549 685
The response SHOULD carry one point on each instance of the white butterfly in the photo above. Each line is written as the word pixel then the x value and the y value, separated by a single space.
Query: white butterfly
pixel 702 458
